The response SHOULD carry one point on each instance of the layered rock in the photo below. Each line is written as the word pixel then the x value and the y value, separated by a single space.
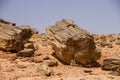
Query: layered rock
pixel 10 38
pixel 111 64
pixel 13 38
pixel 72 44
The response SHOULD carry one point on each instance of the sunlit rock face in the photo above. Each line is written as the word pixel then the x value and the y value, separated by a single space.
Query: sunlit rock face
pixel 72 44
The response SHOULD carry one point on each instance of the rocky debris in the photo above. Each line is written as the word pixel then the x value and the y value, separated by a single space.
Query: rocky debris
pixel 15 38
pixel 25 53
pixel 5 22
pixel 70 42
pixel 51 63
pixel 43 69
pixel 104 40
pixel 118 39
pixel 37 59
pixel 29 45
pixel 46 58
pixel 87 71
pixel 111 64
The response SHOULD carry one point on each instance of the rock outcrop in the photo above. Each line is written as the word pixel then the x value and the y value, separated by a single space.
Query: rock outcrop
pixel 72 44
pixel 112 64
pixel 6 22
pixel 14 38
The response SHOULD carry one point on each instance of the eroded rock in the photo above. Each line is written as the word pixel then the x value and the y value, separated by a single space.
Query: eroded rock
pixel 51 63
pixel 43 69
pixel 25 53
pixel 14 38
pixel 70 42
pixel 10 38
pixel 111 64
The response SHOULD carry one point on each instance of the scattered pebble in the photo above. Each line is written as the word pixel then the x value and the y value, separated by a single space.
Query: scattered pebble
pixel 87 71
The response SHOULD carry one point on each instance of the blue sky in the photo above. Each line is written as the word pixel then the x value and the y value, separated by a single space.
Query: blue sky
pixel 96 16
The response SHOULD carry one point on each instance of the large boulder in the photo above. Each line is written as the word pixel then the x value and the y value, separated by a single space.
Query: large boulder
pixel 72 44
pixel 13 38
pixel 10 38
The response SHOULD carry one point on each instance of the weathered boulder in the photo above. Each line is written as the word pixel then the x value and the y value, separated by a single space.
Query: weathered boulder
pixel 111 64
pixel 10 38
pixel 72 44
pixel 15 38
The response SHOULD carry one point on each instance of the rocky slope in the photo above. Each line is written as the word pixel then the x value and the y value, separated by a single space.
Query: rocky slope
pixel 43 65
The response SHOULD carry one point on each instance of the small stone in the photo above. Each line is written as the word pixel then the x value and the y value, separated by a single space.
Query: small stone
pixel 26 53
pixel 51 63
pixel 73 63
pixel 46 58
pixel 43 69
pixel 87 71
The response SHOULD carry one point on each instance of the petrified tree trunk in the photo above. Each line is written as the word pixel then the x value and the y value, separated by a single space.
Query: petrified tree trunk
pixel 72 44
pixel 13 38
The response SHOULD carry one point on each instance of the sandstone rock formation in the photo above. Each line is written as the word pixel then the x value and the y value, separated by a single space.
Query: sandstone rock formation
pixel 13 38
pixel 72 44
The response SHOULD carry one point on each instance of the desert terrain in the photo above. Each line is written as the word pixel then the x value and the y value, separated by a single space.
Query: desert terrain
pixel 45 66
